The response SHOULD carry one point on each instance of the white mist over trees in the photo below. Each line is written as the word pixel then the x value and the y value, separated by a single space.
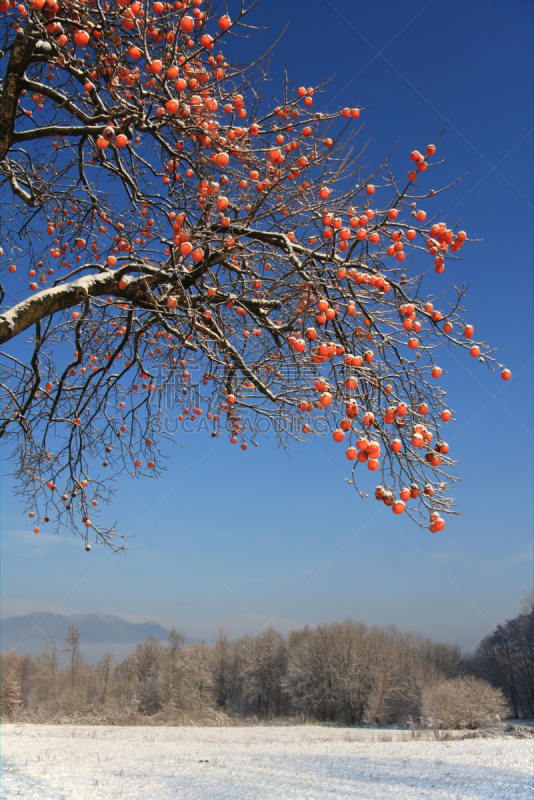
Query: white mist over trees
pixel 345 672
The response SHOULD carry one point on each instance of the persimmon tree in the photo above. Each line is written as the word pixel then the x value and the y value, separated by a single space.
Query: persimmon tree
pixel 177 245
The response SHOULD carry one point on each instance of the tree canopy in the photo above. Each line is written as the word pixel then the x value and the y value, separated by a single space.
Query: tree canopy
pixel 178 245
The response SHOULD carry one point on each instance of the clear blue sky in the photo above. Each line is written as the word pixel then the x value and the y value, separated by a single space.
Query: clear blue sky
pixel 245 539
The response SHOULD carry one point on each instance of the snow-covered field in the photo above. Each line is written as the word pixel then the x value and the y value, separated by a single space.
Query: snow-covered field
pixel 303 763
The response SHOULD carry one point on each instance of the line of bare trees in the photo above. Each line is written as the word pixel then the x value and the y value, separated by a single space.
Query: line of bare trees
pixel 346 672
pixel 505 658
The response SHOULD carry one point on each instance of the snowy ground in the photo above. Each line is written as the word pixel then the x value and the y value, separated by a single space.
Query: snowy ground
pixel 272 763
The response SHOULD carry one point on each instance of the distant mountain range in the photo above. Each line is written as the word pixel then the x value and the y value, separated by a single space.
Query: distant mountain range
pixel 28 634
